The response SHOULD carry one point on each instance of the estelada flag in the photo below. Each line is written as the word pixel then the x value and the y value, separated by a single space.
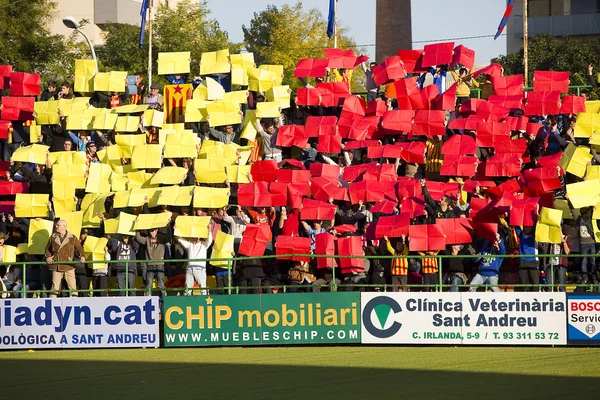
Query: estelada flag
pixel 175 98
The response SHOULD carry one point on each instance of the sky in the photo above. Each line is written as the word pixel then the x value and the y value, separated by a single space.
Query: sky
pixel 432 20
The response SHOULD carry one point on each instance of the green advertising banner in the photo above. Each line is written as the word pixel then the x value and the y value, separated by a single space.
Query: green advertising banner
pixel 242 320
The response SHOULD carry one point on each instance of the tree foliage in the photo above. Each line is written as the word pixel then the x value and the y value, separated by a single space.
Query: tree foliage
pixel 549 53
pixel 186 28
pixel 26 42
pixel 286 35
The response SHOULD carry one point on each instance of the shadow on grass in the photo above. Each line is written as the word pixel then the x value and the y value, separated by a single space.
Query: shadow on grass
pixel 90 380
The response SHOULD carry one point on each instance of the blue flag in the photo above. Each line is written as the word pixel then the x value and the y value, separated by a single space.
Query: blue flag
pixel 331 18
pixel 143 26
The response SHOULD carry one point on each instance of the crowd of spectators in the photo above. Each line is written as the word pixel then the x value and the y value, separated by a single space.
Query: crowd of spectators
pixel 490 166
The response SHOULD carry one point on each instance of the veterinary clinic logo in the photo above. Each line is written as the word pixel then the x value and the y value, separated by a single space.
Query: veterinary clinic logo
pixel 382 310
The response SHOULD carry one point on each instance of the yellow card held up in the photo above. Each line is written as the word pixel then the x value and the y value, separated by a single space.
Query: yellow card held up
pixel 46 112
pixel 547 234
pixel 123 224
pixel 584 194
pixel 127 123
pixel 209 89
pixel 35 153
pixel 575 159
pixel 64 206
pixel 238 96
pixel 174 63
pixel 563 205
pixel 84 75
pixel 192 227
pixel 152 221
pixel 269 109
pixel 551 216
pixel 169 176
pixel 68 106
pixel 92 205
pixel 277 70
pixel 210 171
pixel 207 197
pixel 176 196
pixel 195 110
pixel 587 124
pixel 114 81
pixel 147 156
pixel 238 173
pixel 94 250
pixel 9 254
pixel 29 205
pixel 63 190
pixel 223 248
pixel 70 173
pixel 279 94
pixel 222 113
pixel 131 109
pixel 154 118
pixel 98 178
pixel 118 182
pixel 39 235
pixel 215 62
pixel 74 220
pixel 105 120
pixel 68 157
pixel 260 80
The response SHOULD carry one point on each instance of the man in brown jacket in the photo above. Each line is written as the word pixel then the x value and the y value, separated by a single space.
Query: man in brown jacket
pixel 61 247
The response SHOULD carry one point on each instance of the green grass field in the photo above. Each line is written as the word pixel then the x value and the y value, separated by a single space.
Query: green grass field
pixel 303 373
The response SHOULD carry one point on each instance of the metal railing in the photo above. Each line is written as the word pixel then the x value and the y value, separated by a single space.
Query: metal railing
pixel 476 92
pixel 332 285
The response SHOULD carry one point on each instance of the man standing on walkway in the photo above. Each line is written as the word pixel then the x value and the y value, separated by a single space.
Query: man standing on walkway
pixel 61 247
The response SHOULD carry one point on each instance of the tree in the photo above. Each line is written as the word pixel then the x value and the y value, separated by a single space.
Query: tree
pixel 548 53
pixel 120 49
pixel 26 42
pixel 290 34
pixel 189 28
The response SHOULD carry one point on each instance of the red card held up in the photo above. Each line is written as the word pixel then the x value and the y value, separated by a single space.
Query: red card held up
pixel 523 212
pixel 384 207
pixel 322 189
pixel 329 144
pixel 339 58
pixel 459 145
pixel 264 170
pixel 315 210
pixel 308 97
pixel 508 85
pixel 572 105
pixel 255 239
pixel 464 56
pixel 325 246
pixel 429 123
pixel 549 81
pixel 289 248
pixel 24 84
pixel 330 172
pixel 429 237
pixel 438 54
pixel 354 107
pixel 457 230
pixel 412 60
pixel 397 122
pixel 318 126
pixel 350 246
pixel 393 226
pixel 311 68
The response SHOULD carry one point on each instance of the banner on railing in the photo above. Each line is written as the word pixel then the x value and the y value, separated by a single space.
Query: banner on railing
pixel 242 320
pixel 584 318
pixel 79 323
pixel 464 318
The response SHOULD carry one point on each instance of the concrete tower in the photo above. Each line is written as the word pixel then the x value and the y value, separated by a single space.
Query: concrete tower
pixel 393 28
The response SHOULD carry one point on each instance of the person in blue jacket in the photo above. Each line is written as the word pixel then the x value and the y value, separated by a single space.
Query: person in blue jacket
pixel 489 265
pixel 439 77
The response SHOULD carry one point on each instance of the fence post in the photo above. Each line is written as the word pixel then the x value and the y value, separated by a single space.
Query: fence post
pixel 334 286
pixel 126 279
pixel 440 276
pixel 229 276
pixel 24 288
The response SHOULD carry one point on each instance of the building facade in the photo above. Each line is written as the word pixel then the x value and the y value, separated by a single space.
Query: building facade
pixel 575 18
pixel 393 28
pixel 99 13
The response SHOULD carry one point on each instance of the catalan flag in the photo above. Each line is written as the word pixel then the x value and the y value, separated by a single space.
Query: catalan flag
pixel 509 7
pixel 176 97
